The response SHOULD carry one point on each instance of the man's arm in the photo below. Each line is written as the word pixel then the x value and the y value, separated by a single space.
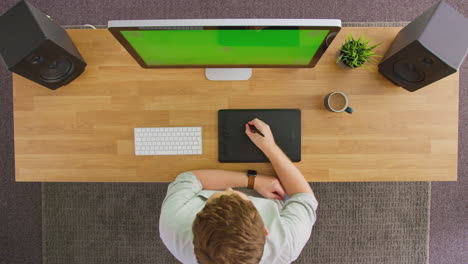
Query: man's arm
pixel 298 214
pixel 290 177
pixel 221 179
pixel 268 186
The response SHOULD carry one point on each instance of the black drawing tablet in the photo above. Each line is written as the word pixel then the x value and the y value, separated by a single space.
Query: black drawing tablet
pixel 235 146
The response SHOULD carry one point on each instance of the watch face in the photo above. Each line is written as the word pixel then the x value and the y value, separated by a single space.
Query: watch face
pixel 251 173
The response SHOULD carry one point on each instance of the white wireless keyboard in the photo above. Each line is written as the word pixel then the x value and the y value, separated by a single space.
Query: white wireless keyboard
pixel 168 141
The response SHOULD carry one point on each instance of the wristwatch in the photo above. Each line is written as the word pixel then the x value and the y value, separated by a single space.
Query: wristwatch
pixel 251 174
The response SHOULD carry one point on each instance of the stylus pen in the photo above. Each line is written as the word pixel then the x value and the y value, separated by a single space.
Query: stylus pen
pixel 254 128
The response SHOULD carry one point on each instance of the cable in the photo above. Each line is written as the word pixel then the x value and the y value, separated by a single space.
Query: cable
pixel 89 25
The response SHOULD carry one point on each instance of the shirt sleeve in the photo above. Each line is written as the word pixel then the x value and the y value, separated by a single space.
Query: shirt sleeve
pixel 185 187
pixel 298 216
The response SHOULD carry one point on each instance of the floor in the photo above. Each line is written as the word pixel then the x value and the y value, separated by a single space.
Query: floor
pixel 20 203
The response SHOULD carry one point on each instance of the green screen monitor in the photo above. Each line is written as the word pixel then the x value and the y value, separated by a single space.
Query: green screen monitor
pixel 227 48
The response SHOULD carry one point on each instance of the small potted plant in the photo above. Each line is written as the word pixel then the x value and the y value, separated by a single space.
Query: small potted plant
pixel 355 53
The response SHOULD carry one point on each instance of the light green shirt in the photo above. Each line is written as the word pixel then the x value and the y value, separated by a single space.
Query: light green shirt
pixel 290 223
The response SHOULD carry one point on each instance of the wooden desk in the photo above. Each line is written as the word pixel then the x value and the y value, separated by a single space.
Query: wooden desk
pixel 84 131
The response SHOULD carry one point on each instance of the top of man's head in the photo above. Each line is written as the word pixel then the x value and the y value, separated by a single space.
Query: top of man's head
pixel 228 230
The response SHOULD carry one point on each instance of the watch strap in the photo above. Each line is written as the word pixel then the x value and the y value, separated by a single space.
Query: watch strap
pixel 251 174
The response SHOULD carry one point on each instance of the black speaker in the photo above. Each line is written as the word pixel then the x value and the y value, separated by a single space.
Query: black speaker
pixel 428 49
pixel 34 46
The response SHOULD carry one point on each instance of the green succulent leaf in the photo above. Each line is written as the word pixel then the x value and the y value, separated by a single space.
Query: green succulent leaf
pixel 356 52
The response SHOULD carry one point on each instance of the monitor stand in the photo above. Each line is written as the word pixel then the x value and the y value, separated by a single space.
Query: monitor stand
pixel 228 74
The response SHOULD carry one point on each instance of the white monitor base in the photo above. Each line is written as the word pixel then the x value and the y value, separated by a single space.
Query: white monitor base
pixel 228 74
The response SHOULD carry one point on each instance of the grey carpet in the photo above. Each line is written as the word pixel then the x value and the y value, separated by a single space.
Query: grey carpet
pixel 87 223
pixel 20 203
pixel 20 214
pixel 370 223
pixel 118 223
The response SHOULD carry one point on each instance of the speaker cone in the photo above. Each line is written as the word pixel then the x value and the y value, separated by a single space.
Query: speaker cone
pixel 408 72
pixel 56 70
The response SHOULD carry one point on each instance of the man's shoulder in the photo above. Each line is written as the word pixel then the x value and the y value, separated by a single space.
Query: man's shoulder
pixel 186 176
pixel 178 212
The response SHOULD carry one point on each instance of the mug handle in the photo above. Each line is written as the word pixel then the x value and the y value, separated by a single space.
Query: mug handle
pixel 349 110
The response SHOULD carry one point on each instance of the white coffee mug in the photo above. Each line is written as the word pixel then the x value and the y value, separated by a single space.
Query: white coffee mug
pixel 346 107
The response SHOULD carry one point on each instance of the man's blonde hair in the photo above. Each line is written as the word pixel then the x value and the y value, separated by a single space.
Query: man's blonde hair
pixel 229 230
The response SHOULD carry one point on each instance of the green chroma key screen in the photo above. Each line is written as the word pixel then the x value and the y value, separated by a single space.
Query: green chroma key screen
pixel 226 46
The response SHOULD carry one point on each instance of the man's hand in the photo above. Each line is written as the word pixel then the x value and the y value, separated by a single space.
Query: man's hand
pixel 263 143
pixel 269 187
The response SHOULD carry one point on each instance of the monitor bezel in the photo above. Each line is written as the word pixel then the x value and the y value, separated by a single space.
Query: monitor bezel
pixel 115 27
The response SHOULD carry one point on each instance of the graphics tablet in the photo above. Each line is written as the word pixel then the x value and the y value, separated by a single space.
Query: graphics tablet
pixel 235 145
